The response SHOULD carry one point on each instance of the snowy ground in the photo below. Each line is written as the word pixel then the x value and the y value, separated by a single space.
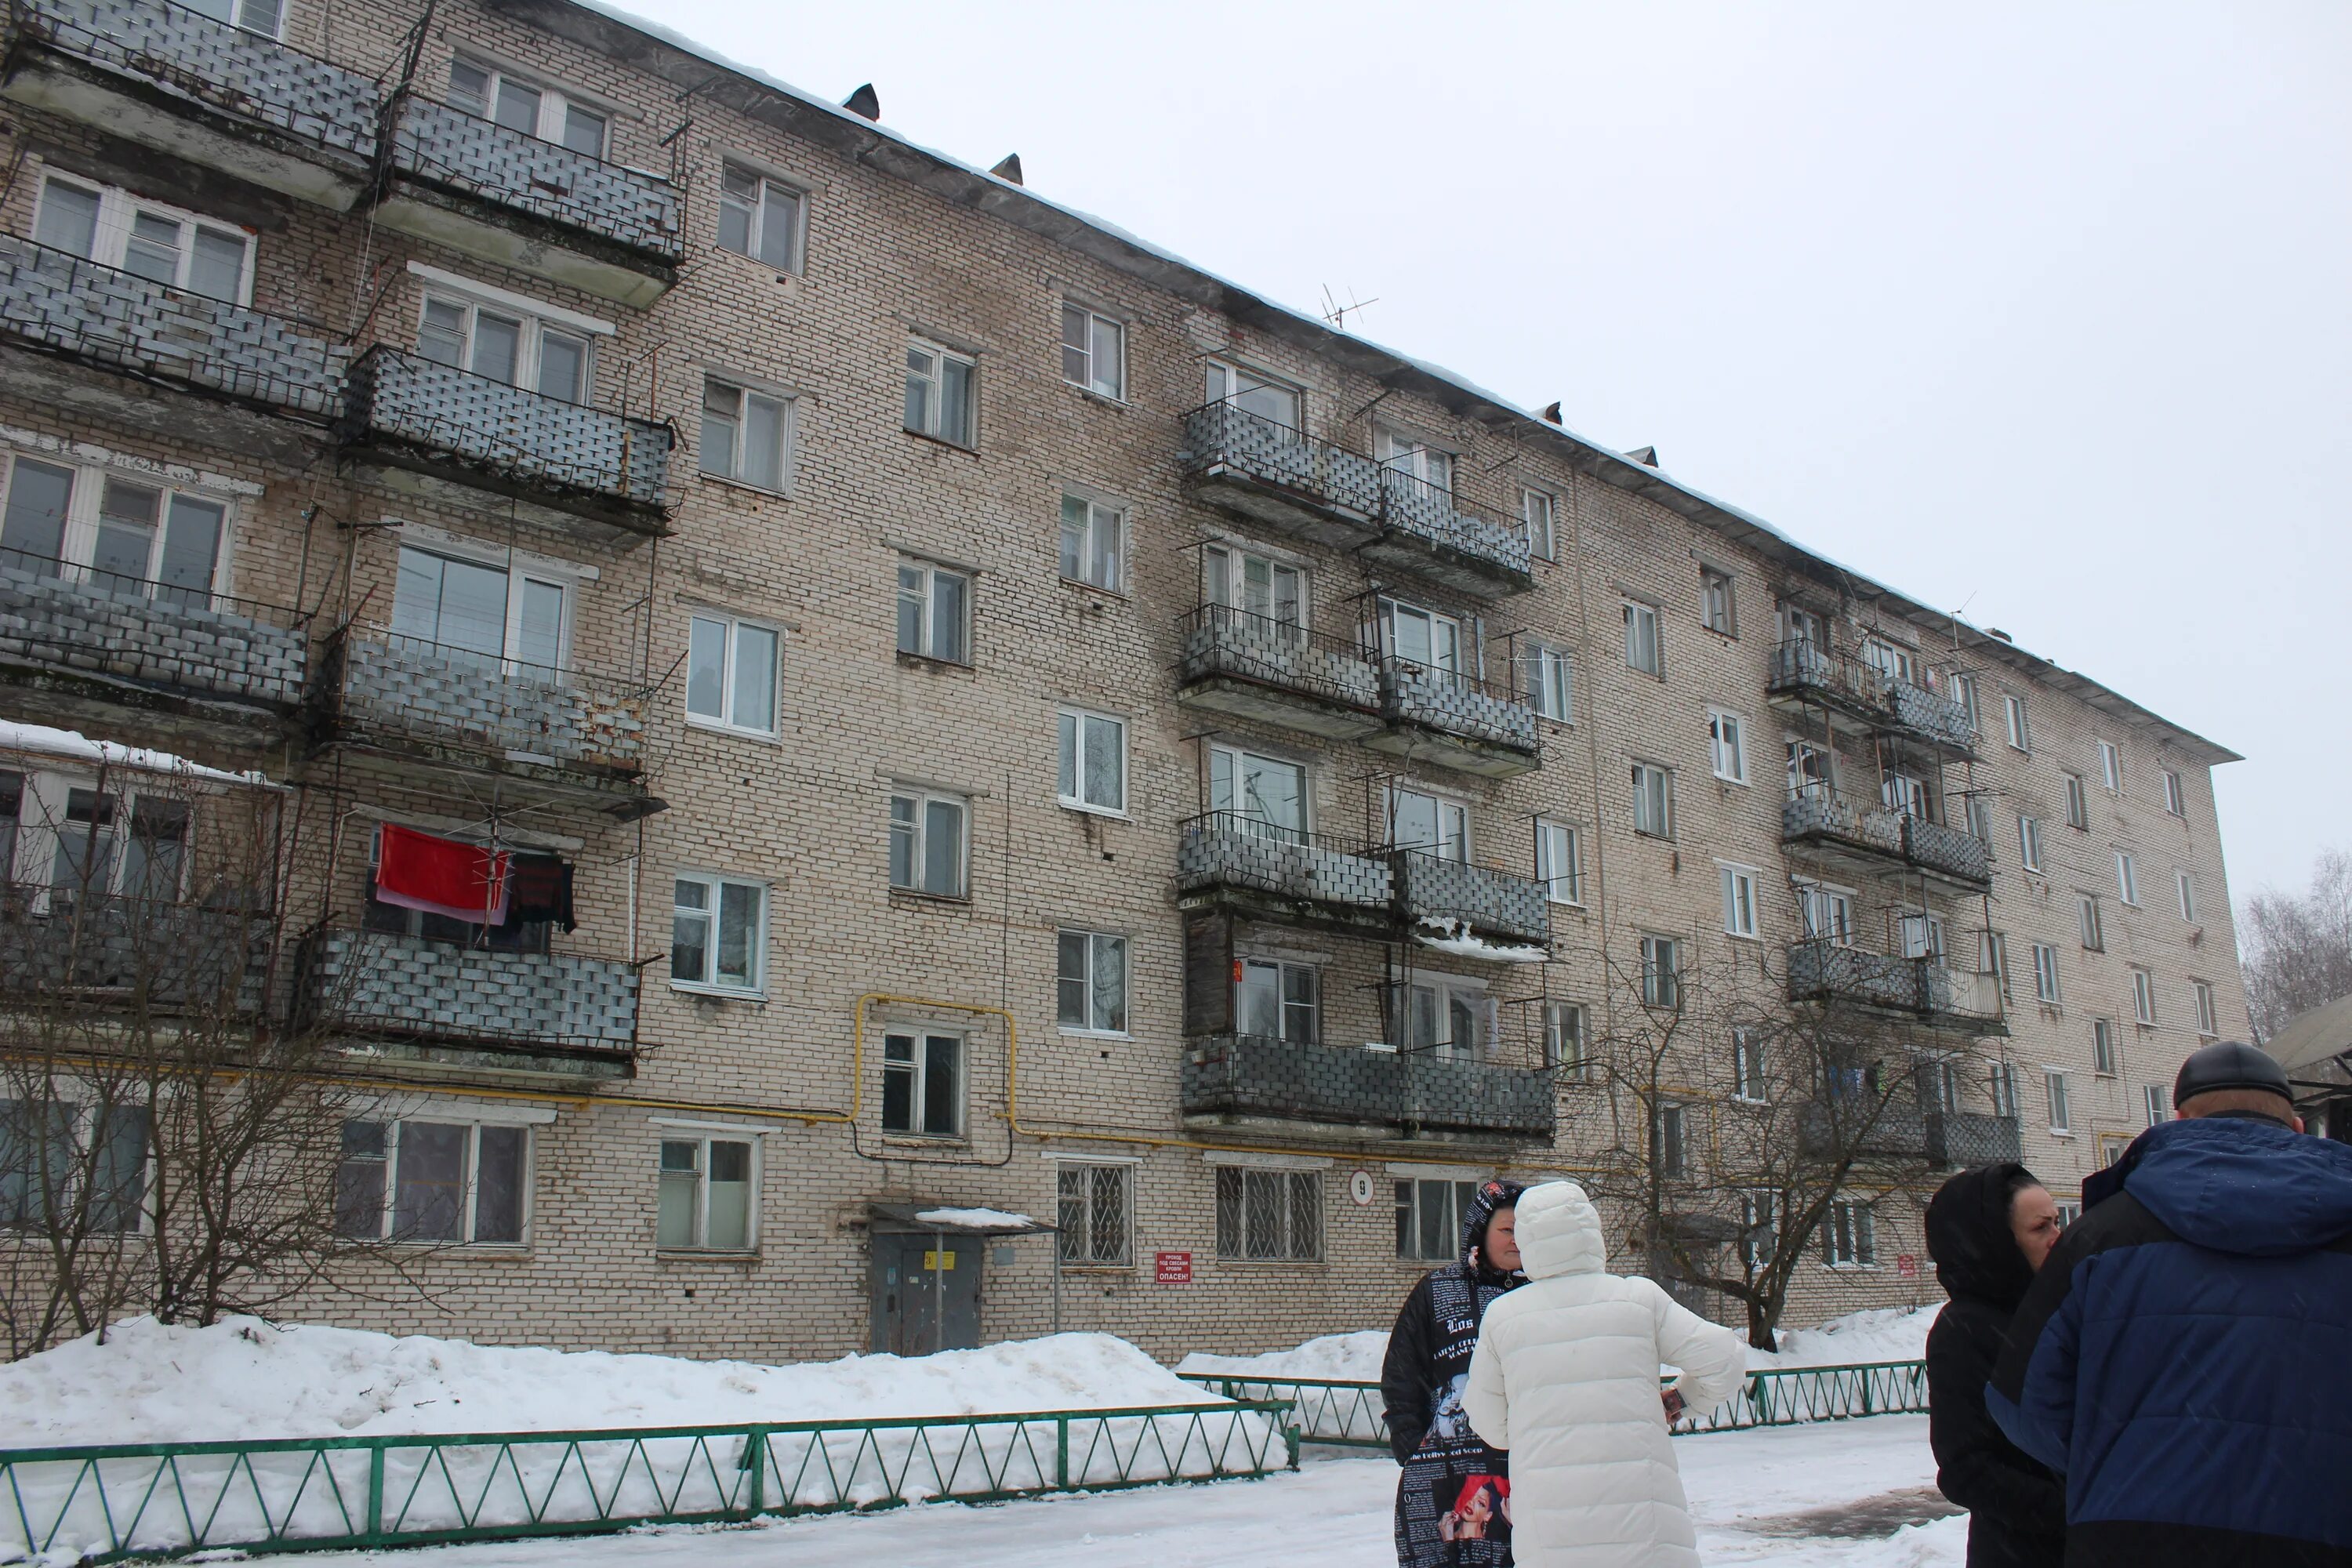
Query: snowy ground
pixel 1839 1494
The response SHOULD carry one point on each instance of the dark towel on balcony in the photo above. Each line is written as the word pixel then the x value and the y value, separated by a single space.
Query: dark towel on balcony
pixel 542 892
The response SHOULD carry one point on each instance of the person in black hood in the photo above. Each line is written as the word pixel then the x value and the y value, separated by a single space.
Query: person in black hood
pixel 1989 1230
pixel 1422 1379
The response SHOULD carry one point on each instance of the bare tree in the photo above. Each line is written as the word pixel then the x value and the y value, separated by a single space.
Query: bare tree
pixel 2298 946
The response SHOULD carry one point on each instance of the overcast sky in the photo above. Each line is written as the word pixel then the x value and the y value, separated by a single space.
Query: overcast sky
pixel 2038 312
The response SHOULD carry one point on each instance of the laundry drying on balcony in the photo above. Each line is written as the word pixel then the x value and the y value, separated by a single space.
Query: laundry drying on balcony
pixel 442 877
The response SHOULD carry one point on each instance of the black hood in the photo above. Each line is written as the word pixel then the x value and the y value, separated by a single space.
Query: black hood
pixel 1490 1196
pixel 1969 1236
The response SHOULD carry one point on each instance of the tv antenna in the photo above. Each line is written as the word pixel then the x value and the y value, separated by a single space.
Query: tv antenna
pixel 1336 313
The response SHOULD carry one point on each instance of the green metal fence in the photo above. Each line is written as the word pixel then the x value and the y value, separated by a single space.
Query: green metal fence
pixel 103 1503
pixel 1349 1414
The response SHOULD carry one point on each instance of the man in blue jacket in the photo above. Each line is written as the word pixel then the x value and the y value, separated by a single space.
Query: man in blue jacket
pixel 2185 1357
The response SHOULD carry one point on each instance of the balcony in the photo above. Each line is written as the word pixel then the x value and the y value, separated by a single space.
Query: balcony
pixel 1906 1130
pixel 1262 469
pixel 1454 721
pixel 1960 1140
pixel 1433 893
pixel 1253 666
pixel 564 736
pixel 207 959
pixel 1868 837
pixel 1225 860
pixel 538 207
pixel 1809 679
pixel 201 90
pixel 185 668
pixel 1820 970
pixel 604 474
pixel 459 1006
pixel 1364 1094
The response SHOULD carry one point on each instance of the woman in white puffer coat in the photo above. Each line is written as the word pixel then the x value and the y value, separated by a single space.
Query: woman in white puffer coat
pixel 1566 1377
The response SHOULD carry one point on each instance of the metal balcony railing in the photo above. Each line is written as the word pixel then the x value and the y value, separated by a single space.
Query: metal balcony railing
pixel 385 689
pixel 370 981
pixel 544 180
pixel 1820 970
pixel 1434 513
pixel 1485 714
pixel 1433 890
pixel 563 449
pixel 1819 815
pixel 172 955
pixel 1404 1091
pixel 1962 1139
pixel 55 302
pixel 1922 712
pixel 1230 850
pixel 1939 846
pixel 1328 478
pixel 1223 643
pixel 1840 678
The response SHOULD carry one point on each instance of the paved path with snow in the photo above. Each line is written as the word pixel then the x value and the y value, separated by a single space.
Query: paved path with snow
pixel 1841 1493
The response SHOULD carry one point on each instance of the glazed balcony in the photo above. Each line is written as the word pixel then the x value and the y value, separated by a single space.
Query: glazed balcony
pixel 1810 679
pixel 1343 1092
pixel 216 95
pixel 564 735
pixel 1454 721
pixel 1254 667
pixel 1229 860
pixel 1262 469
pixel 205 958
pixel 1821 970
pixel 604 474
pixel 1868 838
pixel 1436 895
pixel 560 1014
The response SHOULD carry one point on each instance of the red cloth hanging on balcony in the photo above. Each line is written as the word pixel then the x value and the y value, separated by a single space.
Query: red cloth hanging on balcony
pixel 440 875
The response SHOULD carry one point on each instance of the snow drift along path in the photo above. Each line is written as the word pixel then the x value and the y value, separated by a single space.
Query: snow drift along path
pixel 244 1378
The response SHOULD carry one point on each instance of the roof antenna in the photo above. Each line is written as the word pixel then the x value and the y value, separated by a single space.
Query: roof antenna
pixel 1010 169
pixel 864 102
pixel 1336 313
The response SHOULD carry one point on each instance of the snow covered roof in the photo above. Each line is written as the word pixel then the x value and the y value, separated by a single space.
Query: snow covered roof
pixel 702 72
pixel 39 739
pixel 952 1220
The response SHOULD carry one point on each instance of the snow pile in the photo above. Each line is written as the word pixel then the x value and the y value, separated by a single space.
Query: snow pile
pixel 1347 1357
pixel 1454 937
pixel 1882 1335
pixel 977 1219
pixel 244 1379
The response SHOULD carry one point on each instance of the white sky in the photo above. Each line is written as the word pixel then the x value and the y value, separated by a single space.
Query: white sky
pixel 2034 310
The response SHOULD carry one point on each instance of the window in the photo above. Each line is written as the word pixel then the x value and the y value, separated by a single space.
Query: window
pixel 1263 796
pixel 1278 1001
pixel 1809 771
pixel 2089 906
pixel 940 393
pixel 433 1181
pixel 934 613
pixel 475 612
pixel 1641 650
pixel 154 540
pixel 2069 1214
pixel 1907 794
pixel 1415 459
pixel 1827 913
pixel 1094 351
pixel 1275 1217
pixel 1993 958
pixel 1091 1205
pixel 2004 1090
pixel 1740 900
pixel 922 1084
pixel 1979 813
pixel 1268 402
pixel 1667 1145
pixel 2055 1083
pixel 2185 886
pixel 1760 1228
pixel 1727 741
pixel 706 1195
pixel 2209 1018
pixel 1715 600
pixel 730 674
pixel 1849 1238
pixel 1267 591
pixel 2110 766
pixel 1446 1017
pixel 1662 980
pixel 1538 510
pixel 1093 760
pixel 761 218
pixel 1653 800
pixel 400 920
pixel 718 933
pixel 163 245
pixel 1799 625
pixel 1092 550
pixel 2020 736
pixel 2103 1047
pixel 1748 1066
pixel 505 345
pixel 1964 691
pixel 2045 974
pixel 70 1166
pixel 1429 1217
pixel 744 434
pixel 254 16
pixel 1564 1036
pixel 1421 636
pixel 2029 843
pixel 2175 800
pixel 2156 1103
pixel 1551 688
pixel 2144 997
pixel 1429 823
pixel 1923 936
pixel 546 113
pixel 1556 862
pixel 1090 981
pixel 2127 879
pixel 1893 662
pixel 2078 803
pixel 927 844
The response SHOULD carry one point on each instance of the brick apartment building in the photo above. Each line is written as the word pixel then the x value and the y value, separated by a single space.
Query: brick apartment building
pixel 1027 725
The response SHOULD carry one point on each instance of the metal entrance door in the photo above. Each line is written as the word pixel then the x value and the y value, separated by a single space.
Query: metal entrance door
pixel 926 1293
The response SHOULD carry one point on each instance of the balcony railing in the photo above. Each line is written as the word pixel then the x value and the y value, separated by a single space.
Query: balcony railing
pixel 1962 1139
pixel 1820 970
pixel 411 695
pixel 1398 1093
pixel 1939 846
pixel 1434 891
pixel 1228 851
pixel 1260 667
pixel 568 455
pixel 541 180
pixel 371 982
pixel 1940 719
pixel 1457 720
pixel 1809 672
pixel 1819 816
pixel 55 302
pixel 203 957
pixel 1428 529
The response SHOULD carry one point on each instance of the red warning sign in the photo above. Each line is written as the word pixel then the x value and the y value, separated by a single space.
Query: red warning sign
pixel 1171 1268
